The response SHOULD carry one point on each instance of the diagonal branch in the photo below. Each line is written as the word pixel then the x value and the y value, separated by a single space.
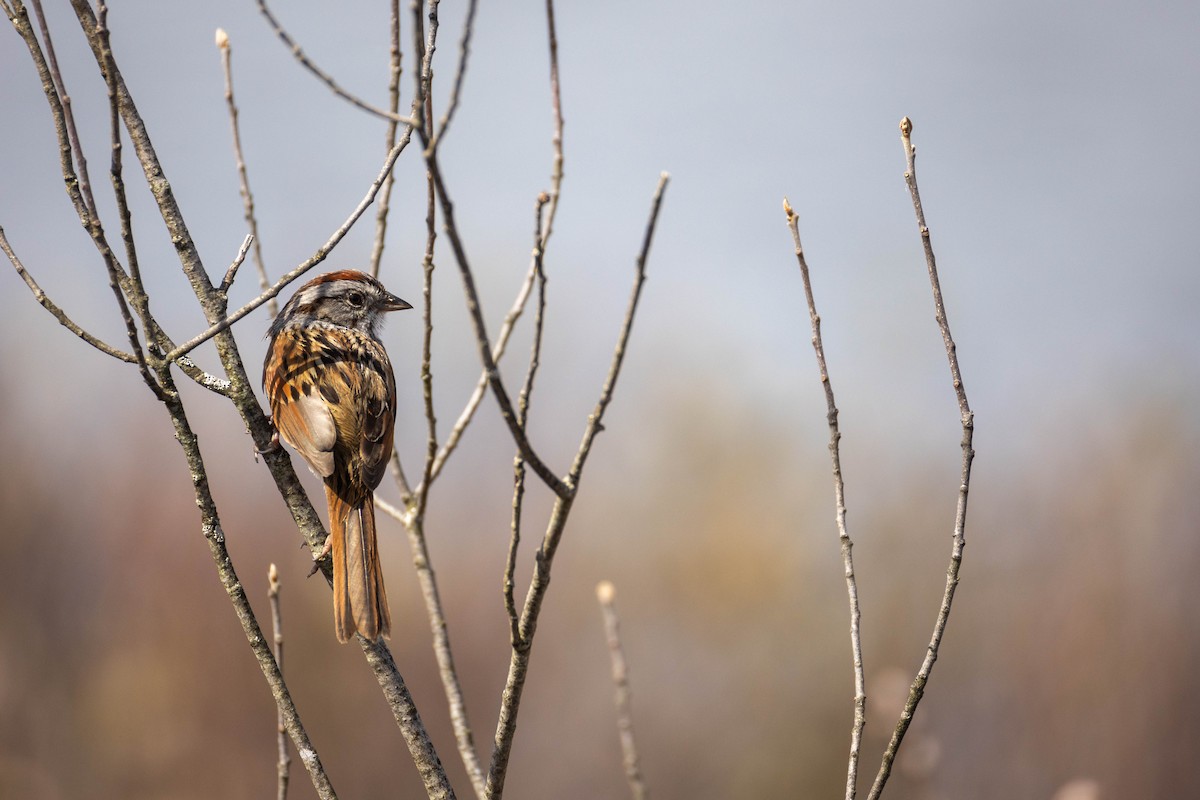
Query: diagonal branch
pixel 518 306
pixel 917 689
pixel 215 537
pixel 839 495
pixel 485 350
pixel 323 76
pixel 57 312
pixel 78 182
pixel 316 258
pixel 506 725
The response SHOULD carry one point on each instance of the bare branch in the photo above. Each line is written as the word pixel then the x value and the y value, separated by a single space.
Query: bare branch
pixel 57 312
pixel 510 565
pixel 118 281
pixel 518 306
pixel 71 153
pixel 243 180
pixel 422 494
pixel 485 350
pixel 323 76
pixel 448 673
pixel 595 420
pixel 839 495
pixel 236 264
pixel 464 51
pixel 215 537
pixel 404 711
pixel 518 667
pixel 385 194
pixel 285 761
pixel 606 594
pixel 917 689
pixel 208 381
pixel 67 117
pixel 414 519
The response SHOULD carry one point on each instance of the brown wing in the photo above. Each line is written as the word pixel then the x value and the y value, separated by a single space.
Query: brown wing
pixel 301 415
pixel 379 413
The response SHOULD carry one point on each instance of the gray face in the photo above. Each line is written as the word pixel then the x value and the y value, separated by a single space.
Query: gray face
pixel 357 302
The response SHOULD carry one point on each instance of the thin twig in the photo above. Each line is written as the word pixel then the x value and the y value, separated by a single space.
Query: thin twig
pixel 115 274
pixel 595 424
pixel 57 312
pixel 323 76
pixel 69 152
pixel 236 264
pixel 507 411
pixel 285 761
pixel 427 265
pixel 839 496
pixel 395 68
pixel 464 52
pixel 74 166
pixel 311 262
pixel 424 46
pixel 606 594
pixel 243 180
pixel 68 118
pixel 518 306
pixel 535 350
pixel 464 738
pixel 518 666
pixel 917 689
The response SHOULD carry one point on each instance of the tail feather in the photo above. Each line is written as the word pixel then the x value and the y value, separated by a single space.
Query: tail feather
pixel 359 598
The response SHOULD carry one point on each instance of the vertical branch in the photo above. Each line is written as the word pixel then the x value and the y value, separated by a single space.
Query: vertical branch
pixel 917 689
pixel 427 339
pixel 510 565
pixel 285 761
pixel 385 193
pixel 243 180
pixel 839 495
pixel 606 594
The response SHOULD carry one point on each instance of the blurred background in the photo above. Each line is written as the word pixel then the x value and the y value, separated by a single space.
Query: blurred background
pixel 1060 177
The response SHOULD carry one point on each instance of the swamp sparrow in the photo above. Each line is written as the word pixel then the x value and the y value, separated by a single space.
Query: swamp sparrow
pixel 333 398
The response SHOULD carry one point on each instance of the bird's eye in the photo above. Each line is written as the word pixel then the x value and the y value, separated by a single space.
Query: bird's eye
pixel 356 299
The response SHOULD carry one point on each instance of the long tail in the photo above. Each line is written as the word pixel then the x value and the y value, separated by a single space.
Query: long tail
pixel 359 599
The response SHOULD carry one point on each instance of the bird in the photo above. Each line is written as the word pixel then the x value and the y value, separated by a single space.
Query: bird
pixel 332 394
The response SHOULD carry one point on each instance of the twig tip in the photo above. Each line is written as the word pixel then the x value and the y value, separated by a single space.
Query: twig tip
pixel 905 127
pixel 222 39
pixel 273 578
pixel 605 592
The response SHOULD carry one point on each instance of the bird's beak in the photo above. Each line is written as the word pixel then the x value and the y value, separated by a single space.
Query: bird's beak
pixel 393 303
